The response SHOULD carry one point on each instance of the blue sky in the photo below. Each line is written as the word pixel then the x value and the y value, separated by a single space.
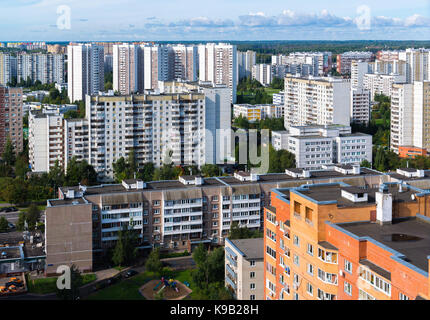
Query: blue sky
pixel 22 20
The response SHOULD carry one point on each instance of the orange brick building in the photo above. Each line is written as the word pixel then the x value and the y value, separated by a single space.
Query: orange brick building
pixel 411 152
pixel 323 241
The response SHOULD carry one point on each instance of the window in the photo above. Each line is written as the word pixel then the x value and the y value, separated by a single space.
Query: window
pixel 296 260
pixel 348 266
pixel 347 287
pixel 363 295
pixel 252 286
pixel 252 263
pixel 310 249
pixel 310 289
pixel 403 297
pixel 296 241
pixel 252 297
pixel 271 252
pixel 252 274
pixel 296 296
pixel 377 282
pixel 310 269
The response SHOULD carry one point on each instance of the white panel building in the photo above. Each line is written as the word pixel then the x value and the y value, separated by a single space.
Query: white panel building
pixel 316 101
pixel 85 74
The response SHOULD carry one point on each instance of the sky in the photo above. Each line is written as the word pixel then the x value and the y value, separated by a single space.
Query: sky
pixel 176 20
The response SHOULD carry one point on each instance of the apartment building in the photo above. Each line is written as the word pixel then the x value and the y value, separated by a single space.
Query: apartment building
pixel 345 59
pixel 381 83
pixel 46 68
pixel 53 138
pixel 316 101
pixel 244 268
pixel 263 73
pixel 185 62
pixel 316 147
pixel 85 70
pixel 279 98
pixel 7 68
pixel 218 64
pixel 177 214
pixel 185 126
pixel 245 62
pixel 341 242
pixel 360 105
pixel 125 63
pixel 409 116
pixel 11 118
pixel 257 112
pixel 417 64
pixel 358 69
pixel 312 63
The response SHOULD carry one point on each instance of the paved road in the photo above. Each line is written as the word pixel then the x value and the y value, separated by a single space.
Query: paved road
pixel 180 263
pixel 12 217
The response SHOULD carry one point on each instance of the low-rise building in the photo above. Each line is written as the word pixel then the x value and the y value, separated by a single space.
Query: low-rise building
pixel 173 215
pixel 317 146
pixel 258 112
pixel 244 268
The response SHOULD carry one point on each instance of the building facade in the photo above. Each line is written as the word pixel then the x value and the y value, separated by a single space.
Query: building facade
pixel 11 116
pixel 85 70
pixel 316 101
pixel 244 268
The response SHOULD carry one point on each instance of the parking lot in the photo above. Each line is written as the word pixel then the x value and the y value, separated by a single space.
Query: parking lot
pixel 12 285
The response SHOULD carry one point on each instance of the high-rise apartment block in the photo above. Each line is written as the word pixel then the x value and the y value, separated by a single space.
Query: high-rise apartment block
pixel 345 59
pixel 245 62
pixel 11 118
pixel 125 65
pixel 316 101
pixel 184 125
pixel 313 63
pixel 218 64
pixel 46 68
pixel 381 83
pixel 360 105
pixel 7 68
pixel 263 73
pixel 85 70
pixel 410 106
pixel 417 64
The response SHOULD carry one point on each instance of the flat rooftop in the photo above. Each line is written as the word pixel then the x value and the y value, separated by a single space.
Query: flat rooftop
pixel 409 237
pixel 224 181
pixel 333 192
pixel 252 248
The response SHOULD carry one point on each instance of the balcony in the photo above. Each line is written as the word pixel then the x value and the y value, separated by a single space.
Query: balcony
pixel 231 283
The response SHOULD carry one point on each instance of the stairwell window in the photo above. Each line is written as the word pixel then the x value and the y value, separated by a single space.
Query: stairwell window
pixel 347 287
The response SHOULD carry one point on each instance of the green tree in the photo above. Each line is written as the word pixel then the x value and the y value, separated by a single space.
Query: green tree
pixel 154 264
pixel 21 222
pixel 237 232
pixel 8 155
pixel 4 224
pixel 211 170
pixel 366 164
pixel 32 216
pixel 125 251
pixel 280 160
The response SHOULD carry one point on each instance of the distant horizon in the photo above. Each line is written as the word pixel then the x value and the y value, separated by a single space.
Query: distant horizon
pixel 169 20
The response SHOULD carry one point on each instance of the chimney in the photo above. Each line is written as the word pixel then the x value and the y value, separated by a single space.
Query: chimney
pixel 356 169
pixel 384 206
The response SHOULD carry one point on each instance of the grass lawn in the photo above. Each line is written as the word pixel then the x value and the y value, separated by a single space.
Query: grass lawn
pixel 271 91
pixel 49 285
pixel 128 289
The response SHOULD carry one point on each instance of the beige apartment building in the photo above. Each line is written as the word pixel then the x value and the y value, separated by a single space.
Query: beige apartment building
pixel 244 268
pixel 410 116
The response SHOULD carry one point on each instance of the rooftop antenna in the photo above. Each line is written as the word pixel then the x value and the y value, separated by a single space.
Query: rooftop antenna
pixel 407 163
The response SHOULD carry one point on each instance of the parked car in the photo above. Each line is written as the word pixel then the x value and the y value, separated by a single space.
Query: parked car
pixel 131 273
